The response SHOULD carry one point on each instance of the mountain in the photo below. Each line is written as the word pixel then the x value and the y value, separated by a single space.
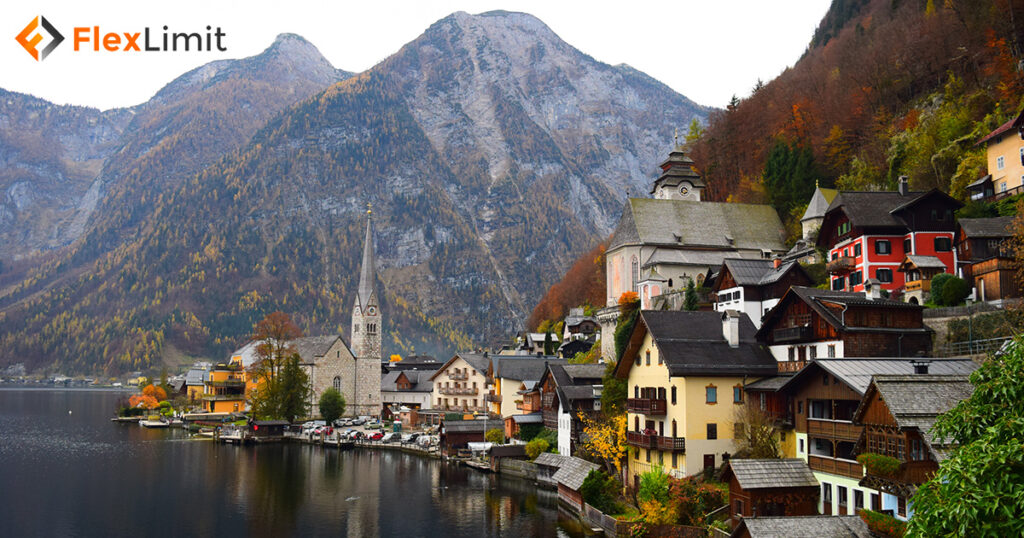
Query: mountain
pixel 117 163
pixel 491 151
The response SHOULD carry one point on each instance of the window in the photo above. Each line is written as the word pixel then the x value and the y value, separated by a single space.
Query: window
pixel 712 431
pixel 356 328
pixel 737 394
pixel 915 450
pixel 636 391
pixel 942 244
pixel 856 250
pixel 673 395
pixel 801 449
pixel 648 354
pixel 901 502
pixel 337 383
pixel 843 228
pixel 838 284
pixel 832 351
pixel 906 246
pixel 636 274
pixel 675 460
pixel 1000 163
pixel 764 402
pixel 824 379
pixel 659 359
pixel 814 352
pixel 842 494
pixel 884 275
pixel 858 500
pixel 648 457
pixel 800 407
pixel 1002 186
pixel 1022 150
pixel 835 256
pixel 883 247
pixel 826 493
pixel 711 394
pixel 739 506
pixel 792 353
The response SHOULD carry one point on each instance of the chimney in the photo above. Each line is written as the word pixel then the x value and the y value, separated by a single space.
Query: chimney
pixel 920 366
pixel 731 327
pixel 776 262
pixel 872 289
pixel 903 187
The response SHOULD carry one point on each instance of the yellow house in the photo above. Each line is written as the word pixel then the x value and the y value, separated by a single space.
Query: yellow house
pixel 225 388
pixel 510 374
pixel 685 373
pixel 461 384
pixel 1005 150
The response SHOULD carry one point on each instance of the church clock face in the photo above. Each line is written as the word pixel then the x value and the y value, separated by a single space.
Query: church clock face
pixel 371 311
pixel 684 191
pixel 357 311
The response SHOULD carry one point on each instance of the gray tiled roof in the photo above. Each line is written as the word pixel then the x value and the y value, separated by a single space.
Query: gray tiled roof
pixel 469 426
pixel 649 221
pixel 774 382
pixel 584 371
pixel 925 262
pixel 804 527
pixel 756 272
pixel 523 369
pixel 819 203
pixel 195 377
pixel 551 459
pixel 996 227
pixel 692 343
pixel 310 347
pixel 675 256
pixel 420 380
pixel 531 418
pixel 856 373
pixel 573 472
pixel 772 473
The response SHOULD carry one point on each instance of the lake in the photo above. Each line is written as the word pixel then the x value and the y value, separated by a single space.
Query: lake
pixel 78 474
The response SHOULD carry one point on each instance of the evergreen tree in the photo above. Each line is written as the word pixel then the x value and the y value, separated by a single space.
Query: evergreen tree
pixel 789 176
pixel 690 297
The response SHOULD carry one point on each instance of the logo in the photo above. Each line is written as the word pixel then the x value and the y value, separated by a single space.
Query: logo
pixel 31 45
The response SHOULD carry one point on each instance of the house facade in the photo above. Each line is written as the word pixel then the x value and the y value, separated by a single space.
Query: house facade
pixel 460 385
pixel 770 487
pixel 1004 149
pixel 986 258
pixel 755 286
pixel 567 392
pixel 685 373
pixel 810 323
pixel 509 375
pixel 409 388
pixel 867 235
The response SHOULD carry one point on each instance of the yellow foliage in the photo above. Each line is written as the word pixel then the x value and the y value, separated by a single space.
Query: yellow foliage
pixel 606 438
pixel 395 358
pixel 655 513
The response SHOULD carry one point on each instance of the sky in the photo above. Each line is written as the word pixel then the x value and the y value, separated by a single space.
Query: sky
pixel 707 50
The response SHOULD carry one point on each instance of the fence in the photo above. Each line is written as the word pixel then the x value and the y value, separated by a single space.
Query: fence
pixel 973 347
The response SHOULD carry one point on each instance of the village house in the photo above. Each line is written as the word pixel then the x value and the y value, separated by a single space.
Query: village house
pixel 825 396
pixel 225 388
pixel 510 375
pixel 804 250
pixel 770 487
pixel 986 258
pixel 869 234
pixel 1004 148
pixel 534 344
pixel 460 384
pixel 675 237
pixel 195 381
pixel 567 391
pixel 755 286
pixel 456 435
pixel 685 373
pixel 409 388
pixel 810 323
pixel 579 326
pixel 897 414
pixel 803 527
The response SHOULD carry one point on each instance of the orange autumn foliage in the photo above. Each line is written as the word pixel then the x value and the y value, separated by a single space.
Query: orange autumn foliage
pixel 583 283
pixel 155 392
pixel 143 400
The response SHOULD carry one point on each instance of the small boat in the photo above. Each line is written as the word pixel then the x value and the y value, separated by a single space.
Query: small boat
pixel 153 422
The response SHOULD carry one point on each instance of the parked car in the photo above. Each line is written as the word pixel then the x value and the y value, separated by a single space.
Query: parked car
pixel 357 422
pixel 390 437
pixel 375 436
pixel 324 430
pixel 409 438
pixel 356 434
pixel 374 425
pixel 340 423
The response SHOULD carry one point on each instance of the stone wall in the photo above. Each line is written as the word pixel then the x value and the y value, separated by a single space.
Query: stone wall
pixel 520 468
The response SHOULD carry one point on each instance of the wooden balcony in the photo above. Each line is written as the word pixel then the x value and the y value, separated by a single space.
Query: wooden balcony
pixel 491 397
pixel 647 406
pixel 793 334
pixel 458 391
pixel 791 366
pixel 458 376
pixel 656 442
pixel 905 481
pixel 842 264
pixel 915 285
pixel 834 429
pixel 839 467
pixel 227 383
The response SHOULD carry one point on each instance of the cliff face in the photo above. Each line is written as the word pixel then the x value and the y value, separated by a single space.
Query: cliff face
pixel 491 151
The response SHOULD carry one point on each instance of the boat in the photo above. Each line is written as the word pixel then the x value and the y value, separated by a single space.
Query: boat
pixel 153 422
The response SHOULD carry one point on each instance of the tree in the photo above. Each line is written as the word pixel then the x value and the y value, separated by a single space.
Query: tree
pixel 282 386
pixel 756 434
pixel 979 489
pixel 536 447
pixel 495 435
pixel 295 390
pixel 550 346
pixel 605 439
pixel 954 292
pixel 274 334
pixel 690 297
pixel 600 491
pixel 332 405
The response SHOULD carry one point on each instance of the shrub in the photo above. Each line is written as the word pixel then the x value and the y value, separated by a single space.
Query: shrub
pixel 653 486
pixel 883 525
pixel 332 405
pixel 600 490
pixel 878 464
pixel 939 282
pixel 495 435
pixel 954 292
pixel 692 499
pixel 536 448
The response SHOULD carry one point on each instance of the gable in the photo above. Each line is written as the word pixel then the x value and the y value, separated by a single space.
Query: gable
pixel 873 411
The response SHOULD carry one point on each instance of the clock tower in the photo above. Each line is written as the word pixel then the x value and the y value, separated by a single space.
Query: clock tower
pixel 678 179
pixel 366 333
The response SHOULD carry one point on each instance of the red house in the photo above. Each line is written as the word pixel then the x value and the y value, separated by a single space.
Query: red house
pixel 869 234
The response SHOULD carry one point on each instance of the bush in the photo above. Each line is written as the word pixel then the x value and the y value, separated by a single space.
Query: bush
pixel 938 282
pixel 984 326
pixel 954 292
pixel 878 464
pixel 495 435
pixel 332 405
pixel 600 491
pixel 653 486
pixel 536 448
pixel 883 525
pixel 691 499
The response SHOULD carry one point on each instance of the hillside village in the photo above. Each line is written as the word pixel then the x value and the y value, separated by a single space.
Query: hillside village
pixel 720 356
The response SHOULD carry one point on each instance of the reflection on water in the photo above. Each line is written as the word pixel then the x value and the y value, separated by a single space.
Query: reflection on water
pixel 78 474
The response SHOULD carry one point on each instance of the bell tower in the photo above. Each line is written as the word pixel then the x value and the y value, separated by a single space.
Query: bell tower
pixel 678 180
pixel 366 333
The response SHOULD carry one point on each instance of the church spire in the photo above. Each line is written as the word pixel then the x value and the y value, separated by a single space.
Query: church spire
pixel 366 275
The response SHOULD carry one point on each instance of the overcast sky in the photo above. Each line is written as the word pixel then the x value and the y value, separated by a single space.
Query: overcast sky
pixel 707 50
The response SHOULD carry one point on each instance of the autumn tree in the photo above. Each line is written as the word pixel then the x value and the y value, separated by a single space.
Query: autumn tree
pixel 282 386
pixel 756 435
pixel 604 438
pixel 583 283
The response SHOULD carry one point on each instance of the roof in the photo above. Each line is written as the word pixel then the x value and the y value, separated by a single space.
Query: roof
pixel 550 459
pixel 271 422
pixel 676 169
pixel 856 373
pixel 879 209
pixel 817 299
pixel 479 362
pixel 693 343
pixel 923 262
pixel 1015 122
pixel 804 527
pixel 420 380
pixel 979 182
pixel 584 371
pixel 308 348
pixel 532 418
pixel 771 383
pixel 757 272
pixel 771 473
pixel 681 223
pixel 819 203
pixel 195 377
pixel 467 426
pixel 575 381
pixel 916 400
pixel 676 256
pixel 573 472
pixel 521 368
pixel 997 227
pixel 366 270
pixel 576 317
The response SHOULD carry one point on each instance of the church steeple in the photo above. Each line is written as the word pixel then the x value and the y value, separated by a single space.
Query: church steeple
pixel 366 315
pixel 678 179
pixel 366 274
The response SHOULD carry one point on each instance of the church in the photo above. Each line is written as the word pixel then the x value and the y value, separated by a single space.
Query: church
pixel 330 362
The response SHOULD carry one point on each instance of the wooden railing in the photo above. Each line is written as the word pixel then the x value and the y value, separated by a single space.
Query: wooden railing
pixel 647 406
pixel 791 334
pixel 791 366
pixel 457 390
pixel 915 285
pixel 659 442
pixel 491 397
pixel 459 376
pixel 826 464
pixel 834 429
